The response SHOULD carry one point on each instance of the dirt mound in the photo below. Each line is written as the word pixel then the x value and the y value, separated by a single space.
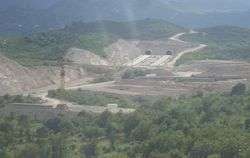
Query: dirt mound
pixel 81 56
pixel 122 51
pixel 162 47
pixel 15 78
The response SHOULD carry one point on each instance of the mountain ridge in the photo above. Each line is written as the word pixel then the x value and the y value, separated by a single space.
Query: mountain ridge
pixel 58 13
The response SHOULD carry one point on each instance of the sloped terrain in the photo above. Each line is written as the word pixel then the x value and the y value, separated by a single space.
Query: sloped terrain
pixel 219 68
pixel 15 78
pixel 48 47
pixel 122 51
pixel 224 43
pixel 81 56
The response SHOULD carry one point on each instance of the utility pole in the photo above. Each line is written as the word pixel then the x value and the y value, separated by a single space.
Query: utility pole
pixel 61 64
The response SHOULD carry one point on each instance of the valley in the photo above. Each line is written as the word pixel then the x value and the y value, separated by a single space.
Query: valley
pixel 124 79
pixel 160 76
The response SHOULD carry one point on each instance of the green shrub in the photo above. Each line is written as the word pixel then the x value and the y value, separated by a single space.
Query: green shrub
pixel 238 89
pixel 133 73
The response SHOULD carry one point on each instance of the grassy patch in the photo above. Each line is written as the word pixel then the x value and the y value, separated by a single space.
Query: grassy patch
pixel 190 57
pixel 95 43
pixel 83 97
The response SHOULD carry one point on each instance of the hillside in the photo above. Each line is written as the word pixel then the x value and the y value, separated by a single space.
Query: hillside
pixel 15 78
pixel 224 42
pixel 45 48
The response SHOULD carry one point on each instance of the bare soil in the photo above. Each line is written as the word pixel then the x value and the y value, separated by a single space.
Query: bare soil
pixel 15 78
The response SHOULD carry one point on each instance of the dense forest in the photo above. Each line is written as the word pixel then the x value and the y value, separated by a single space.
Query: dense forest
pixel 201 126
pixel 224 42
pixel 47 47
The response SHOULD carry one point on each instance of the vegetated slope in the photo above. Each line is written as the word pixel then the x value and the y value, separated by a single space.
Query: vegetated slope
pixel 46 48
pixel 224 42
pixel 213 125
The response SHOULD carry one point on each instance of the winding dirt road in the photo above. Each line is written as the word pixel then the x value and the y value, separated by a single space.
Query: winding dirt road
pixel 176 38
pixel 47 101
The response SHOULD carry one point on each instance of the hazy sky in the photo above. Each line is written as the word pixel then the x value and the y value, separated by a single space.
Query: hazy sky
pixel 202 4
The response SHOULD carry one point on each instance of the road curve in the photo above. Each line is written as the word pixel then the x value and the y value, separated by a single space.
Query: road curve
pixel 176 38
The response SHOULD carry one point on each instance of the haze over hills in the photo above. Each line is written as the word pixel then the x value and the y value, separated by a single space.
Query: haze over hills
pixel 124 79
pixel 23 16
pixel 204 6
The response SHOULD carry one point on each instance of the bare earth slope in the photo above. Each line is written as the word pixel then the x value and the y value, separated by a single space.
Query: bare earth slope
pixel 15 78
pixel 81 56
pixel 186 80
pixel 124 51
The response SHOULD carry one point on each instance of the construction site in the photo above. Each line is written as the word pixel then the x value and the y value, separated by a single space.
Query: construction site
pixel 160 77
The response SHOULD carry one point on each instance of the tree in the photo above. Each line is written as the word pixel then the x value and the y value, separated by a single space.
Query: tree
pixel 148 52
pixel 169 52
pixel 58 144
pixel 93 133
pixel 54 124
pixel 141 132
pixel 111 134
pixel 238 89
pixel 103 120
pixel 230 152
pixel 200 152
pixel 29 151
pixel 130 123
pixel 247 124
pixel 89 150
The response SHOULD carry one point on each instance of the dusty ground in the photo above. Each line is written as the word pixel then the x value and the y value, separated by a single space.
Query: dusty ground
pixel 124 51
pixel 15 78
pixel 206 76
pixel 210 68
pixel 81 56
pixel 163 87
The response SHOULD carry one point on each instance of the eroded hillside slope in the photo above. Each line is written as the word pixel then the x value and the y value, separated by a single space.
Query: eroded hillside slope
pixel 15 78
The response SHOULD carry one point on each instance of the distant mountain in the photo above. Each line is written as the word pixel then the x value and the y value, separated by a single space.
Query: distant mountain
pixel 36 15
pixel 208 6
